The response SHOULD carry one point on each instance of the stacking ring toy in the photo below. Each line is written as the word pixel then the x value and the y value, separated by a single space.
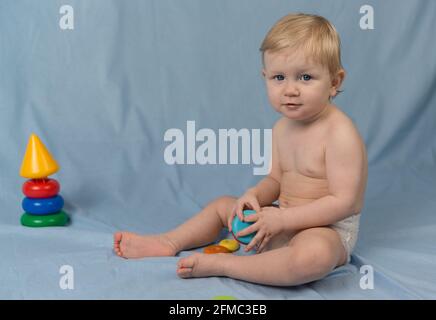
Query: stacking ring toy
pixel 52 220
pixel 41 188
pixel 43 206
pixel 238 225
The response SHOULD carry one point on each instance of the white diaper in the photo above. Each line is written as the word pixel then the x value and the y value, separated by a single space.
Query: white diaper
pixel 348 230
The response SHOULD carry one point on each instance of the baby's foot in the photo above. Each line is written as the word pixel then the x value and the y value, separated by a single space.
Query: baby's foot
pixel 131 245
pixel 202 265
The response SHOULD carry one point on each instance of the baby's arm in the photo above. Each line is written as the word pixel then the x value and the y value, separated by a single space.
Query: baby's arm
pixel 268 189
pixel 345 160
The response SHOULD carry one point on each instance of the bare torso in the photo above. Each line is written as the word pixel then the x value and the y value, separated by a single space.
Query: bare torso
pixel 302 160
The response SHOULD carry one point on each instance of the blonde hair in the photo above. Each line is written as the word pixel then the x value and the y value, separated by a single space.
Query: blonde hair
pixel 315 35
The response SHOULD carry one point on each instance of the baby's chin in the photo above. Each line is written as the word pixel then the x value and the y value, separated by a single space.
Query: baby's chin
pixel 302 113
pixel 292 112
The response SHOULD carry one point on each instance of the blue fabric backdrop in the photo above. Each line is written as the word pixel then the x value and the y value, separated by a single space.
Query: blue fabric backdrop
pixel 102 95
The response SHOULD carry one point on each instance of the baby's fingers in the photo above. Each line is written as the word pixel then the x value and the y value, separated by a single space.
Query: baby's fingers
pixel 254 227
pixel 255 205
pixel 257 240
pixel 251 217
pixel 229 221
pixel 239 213
pixel 262 246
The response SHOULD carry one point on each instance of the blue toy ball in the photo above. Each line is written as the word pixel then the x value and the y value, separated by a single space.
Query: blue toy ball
pixel 238 225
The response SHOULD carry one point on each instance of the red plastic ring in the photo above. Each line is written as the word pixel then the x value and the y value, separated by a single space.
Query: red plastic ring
pixel 41 188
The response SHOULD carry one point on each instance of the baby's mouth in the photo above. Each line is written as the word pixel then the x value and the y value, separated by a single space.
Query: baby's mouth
pixel 292 106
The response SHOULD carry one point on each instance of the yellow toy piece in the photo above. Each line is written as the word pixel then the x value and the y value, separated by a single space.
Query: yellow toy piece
pixel 37 161
pixel 215 248
pixel 231 244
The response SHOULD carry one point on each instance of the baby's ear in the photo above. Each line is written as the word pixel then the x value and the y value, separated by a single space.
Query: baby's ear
pixel 338 79
pixel 337 83
pixel 263 73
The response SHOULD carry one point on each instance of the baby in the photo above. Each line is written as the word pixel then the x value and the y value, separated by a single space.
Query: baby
pixel 318 175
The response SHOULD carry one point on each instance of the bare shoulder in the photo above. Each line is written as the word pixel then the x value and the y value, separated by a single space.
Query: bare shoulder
pixel 279 128
pixel 342 128
pixel 280 124
pixel 346 160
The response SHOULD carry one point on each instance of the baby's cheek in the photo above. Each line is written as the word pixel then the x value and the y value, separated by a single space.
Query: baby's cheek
pixel 274 103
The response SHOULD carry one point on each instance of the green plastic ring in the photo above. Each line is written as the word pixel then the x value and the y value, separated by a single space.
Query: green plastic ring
pixel 51 220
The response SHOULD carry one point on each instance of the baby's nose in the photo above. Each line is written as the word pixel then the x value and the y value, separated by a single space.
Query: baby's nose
pixel 291 90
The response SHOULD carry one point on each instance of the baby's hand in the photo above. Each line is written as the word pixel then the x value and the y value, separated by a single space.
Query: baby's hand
pixel 248 200
pixel 268 223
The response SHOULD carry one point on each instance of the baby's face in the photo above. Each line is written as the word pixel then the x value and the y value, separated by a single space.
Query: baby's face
pixel 297 88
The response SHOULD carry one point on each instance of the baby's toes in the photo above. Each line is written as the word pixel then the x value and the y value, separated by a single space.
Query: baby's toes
pixel 117 237
pixel 187 262
pixel 184 272
pixel 185 266
pixel 117 240
pixel 117 250
pixel 118 244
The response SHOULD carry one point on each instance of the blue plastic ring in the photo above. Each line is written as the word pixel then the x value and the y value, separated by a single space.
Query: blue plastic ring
pixel 40 206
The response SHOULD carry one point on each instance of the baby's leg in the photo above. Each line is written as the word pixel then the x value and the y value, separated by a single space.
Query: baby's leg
pixel 310 255
pixel 201 229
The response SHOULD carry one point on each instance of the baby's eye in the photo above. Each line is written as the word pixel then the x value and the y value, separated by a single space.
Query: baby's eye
pixel 279 77
pixel 305 77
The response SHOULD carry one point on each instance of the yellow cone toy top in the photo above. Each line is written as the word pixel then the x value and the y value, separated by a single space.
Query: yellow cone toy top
pixel 37 161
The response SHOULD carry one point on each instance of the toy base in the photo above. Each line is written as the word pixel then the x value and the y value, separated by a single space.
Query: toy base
pixel 52 220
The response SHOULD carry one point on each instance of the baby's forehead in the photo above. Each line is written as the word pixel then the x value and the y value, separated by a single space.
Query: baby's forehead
pixel 291 59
